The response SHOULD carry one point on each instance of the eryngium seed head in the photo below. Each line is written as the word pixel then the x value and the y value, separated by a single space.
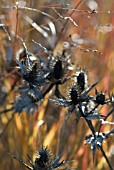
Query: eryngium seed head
pixel 44 161
pixel 100 98
pixel 81 81
pixel 58 70
pixel 73 95
pixel 42 158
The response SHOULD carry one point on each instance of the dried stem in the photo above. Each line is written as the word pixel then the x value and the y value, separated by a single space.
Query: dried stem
pixel 110 166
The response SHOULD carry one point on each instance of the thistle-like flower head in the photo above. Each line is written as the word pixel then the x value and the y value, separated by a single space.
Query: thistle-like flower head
pixel 100 97
pixel 31 72
pixel 81 79
pixel 74 94
pixel 56 70
pixel 43 161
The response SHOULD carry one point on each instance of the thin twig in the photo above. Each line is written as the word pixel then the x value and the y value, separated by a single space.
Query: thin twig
pixel 106 118
pixel 65 18
pixel 66 24
pixel 44 48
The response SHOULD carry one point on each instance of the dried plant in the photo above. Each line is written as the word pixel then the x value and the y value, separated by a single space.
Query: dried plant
pixel 42 81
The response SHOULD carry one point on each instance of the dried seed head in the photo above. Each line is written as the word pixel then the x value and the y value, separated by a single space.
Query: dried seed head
pixel 73 94
pixel 42 158
pixel 100 97
pixel 58 69
pixel 81 79
pixel 43 161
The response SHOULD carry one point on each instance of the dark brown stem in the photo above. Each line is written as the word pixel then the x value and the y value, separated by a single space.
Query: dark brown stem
pixel 110 166
pixel 48 89
pixel 88 121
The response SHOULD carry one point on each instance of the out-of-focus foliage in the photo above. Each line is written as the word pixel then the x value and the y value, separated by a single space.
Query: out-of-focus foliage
pixel 85 29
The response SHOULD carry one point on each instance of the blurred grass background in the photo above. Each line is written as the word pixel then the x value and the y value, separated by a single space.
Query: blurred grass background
pixel 92 49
